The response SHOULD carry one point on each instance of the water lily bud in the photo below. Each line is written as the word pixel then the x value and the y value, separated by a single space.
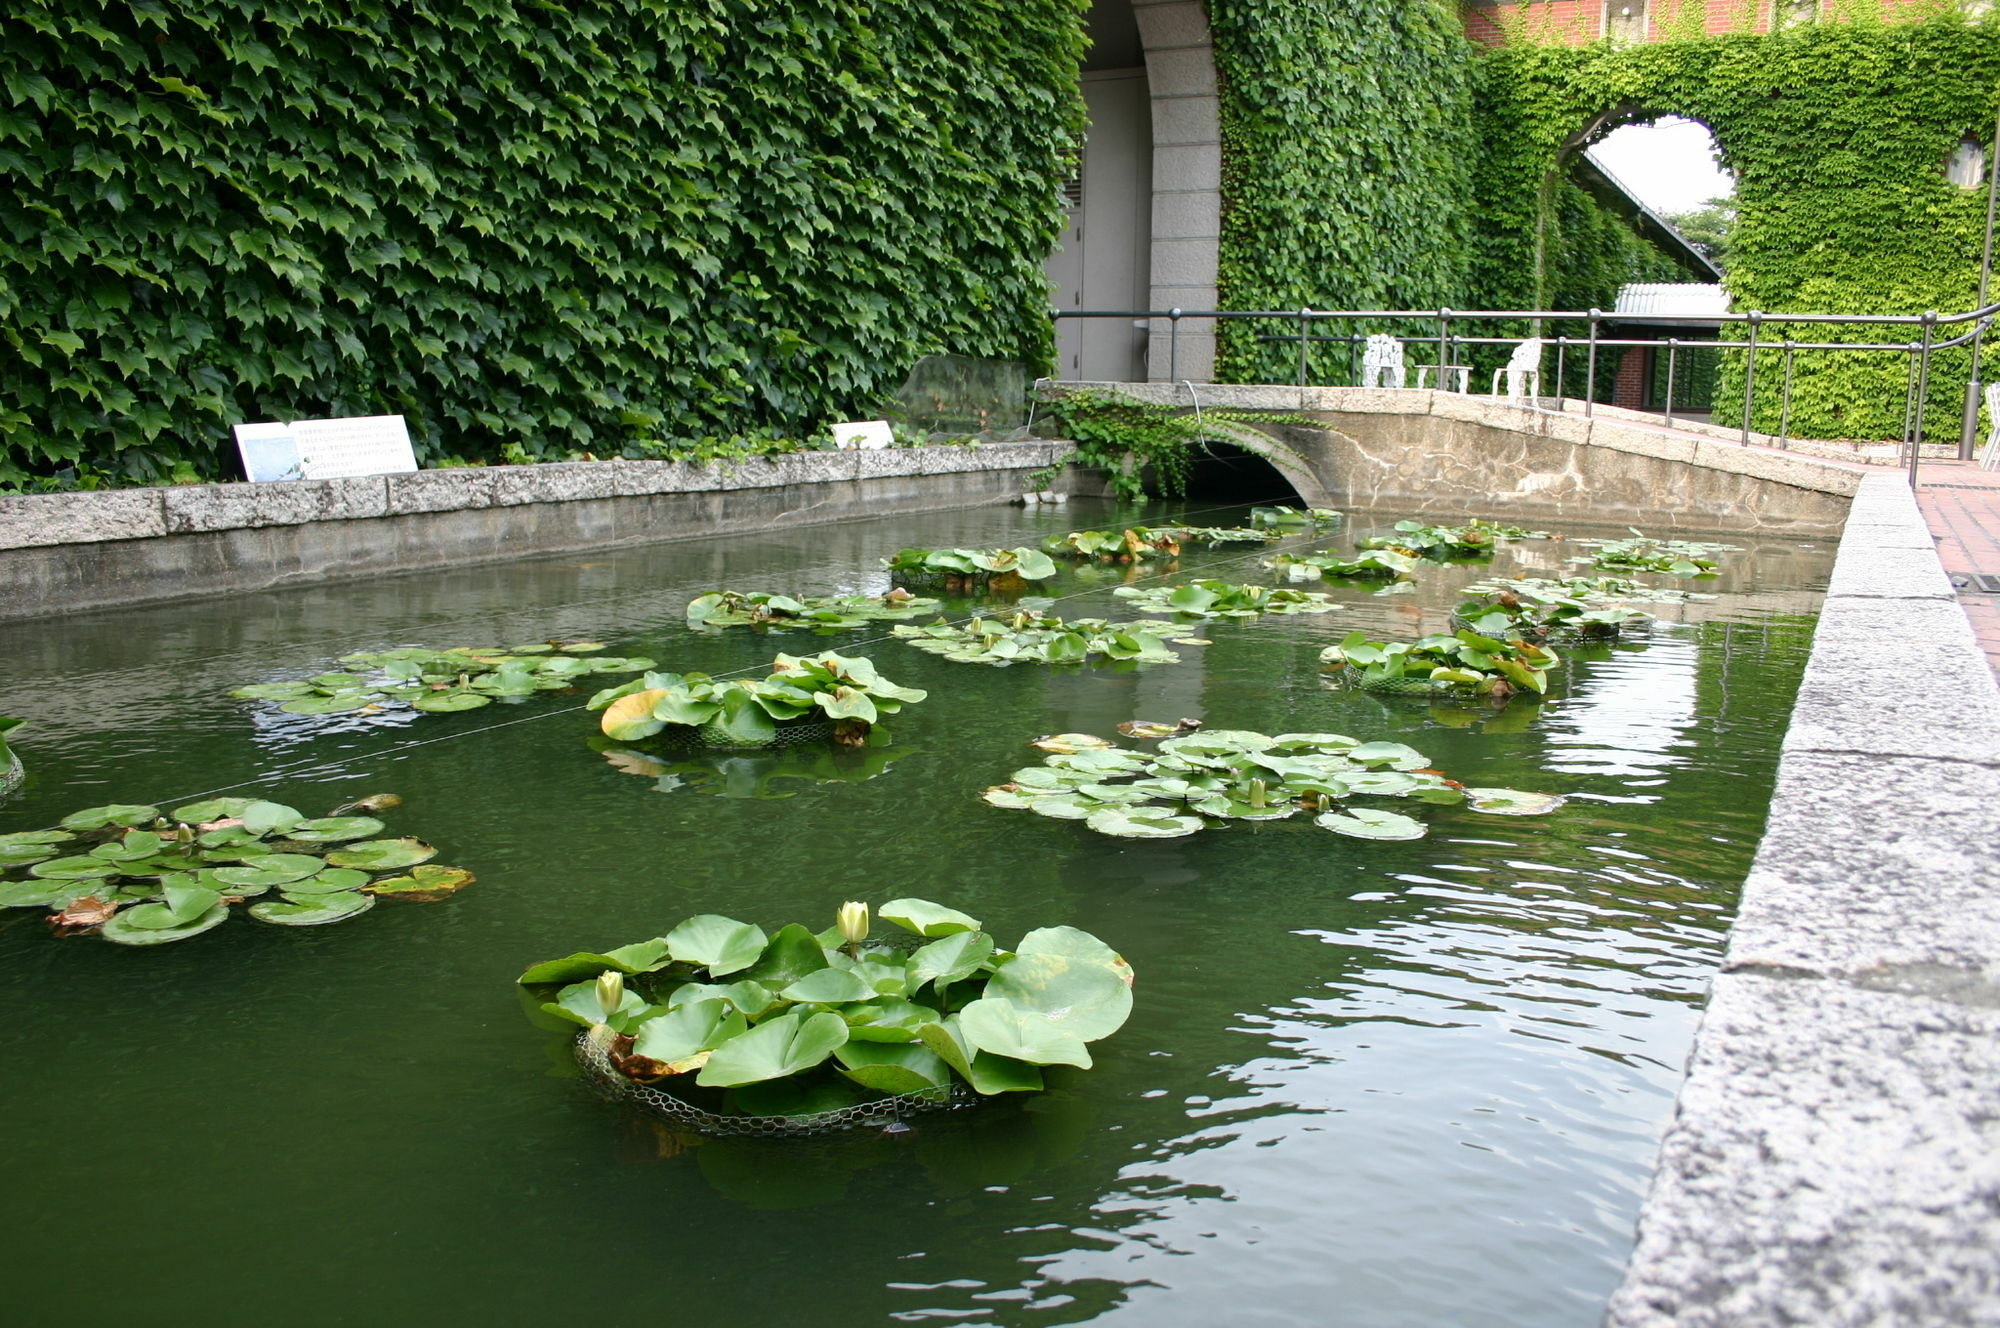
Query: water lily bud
pixel 1258 792
pixel 853 922
pixel 610 992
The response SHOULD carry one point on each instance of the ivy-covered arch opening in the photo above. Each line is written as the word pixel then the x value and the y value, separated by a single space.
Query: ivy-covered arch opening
pixel 1839 135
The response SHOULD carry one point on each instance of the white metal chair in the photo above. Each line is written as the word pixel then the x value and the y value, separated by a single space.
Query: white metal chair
pixel 1382 362
pixel 1525 363
pixel 1990 457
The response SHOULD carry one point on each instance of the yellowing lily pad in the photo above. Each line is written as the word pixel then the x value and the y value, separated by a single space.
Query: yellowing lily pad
pixel 424 885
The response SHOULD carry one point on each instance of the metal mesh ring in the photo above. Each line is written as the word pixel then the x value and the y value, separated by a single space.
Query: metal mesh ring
pixel 1561 634
pixel 609 1084
pixel 1351 679
pixel 790 733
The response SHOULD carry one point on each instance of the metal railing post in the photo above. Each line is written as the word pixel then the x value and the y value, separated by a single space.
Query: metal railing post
pixel 1750 377
pixel 1444 340
pixel 1305 347
pixel 1923 392
pixel 1909 405
pixel 1562 350
pixel 1590 374
pixel 1785 410
pixel 1672 346
pixel 1174 345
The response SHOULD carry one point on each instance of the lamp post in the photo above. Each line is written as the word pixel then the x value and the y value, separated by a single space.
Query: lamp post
pixel 1969 425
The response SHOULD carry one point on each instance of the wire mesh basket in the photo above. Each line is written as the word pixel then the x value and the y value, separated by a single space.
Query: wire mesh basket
pixel 606 1081
pixel 791 733
pixel 1538 634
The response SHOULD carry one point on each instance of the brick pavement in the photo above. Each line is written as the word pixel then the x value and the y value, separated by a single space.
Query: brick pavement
pixel 1962 505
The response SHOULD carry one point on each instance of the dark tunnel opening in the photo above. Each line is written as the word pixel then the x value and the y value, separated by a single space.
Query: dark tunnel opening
pixel 1226 474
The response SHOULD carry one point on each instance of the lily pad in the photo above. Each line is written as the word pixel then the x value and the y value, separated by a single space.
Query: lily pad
pixel 1512 802
pixel 331 881
pixel 117 813
pixel 47 894
pixel 1007 1029
pixel 122 929
pixel 639 957
pixel 1134 823
pixel 316 911
pixel 777 1047
pixel 894 1067
pixel 925 918
pixel 448 702
pixel 720 945
pixel 424 885
pixel 1070 742
pixel 1368 823
pixel 382 854
pixel 71 869
pixel 685 1031
pixel 335 829
pixel 20 855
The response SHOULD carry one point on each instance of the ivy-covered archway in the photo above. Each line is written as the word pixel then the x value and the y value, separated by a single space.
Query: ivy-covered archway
pixel 1839 135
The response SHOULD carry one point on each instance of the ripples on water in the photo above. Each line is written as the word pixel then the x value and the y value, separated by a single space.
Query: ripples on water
pixel 1365 1083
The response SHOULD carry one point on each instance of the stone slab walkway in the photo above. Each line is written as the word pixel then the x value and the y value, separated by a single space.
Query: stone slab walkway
pixel 1961 504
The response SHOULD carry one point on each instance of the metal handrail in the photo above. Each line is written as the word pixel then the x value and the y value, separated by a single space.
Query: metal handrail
pixel 1446 341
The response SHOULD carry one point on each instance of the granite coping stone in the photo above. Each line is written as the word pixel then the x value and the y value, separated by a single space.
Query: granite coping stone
pixel 1827 1169
pixel 35 520
pixel 1896 678
pixel 1891 573
pixel 1875 862
pixel 205 507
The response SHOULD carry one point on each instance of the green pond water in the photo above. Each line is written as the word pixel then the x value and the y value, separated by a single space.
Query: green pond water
pixel 1365 1083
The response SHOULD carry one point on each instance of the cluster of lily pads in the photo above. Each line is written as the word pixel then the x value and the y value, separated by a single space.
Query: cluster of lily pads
pixel 956 567
pixel 1038 638
pixel 137 877
pixel 1196 781
pixel 439 681
pixel 826 613
pixel 1465 663
pixel 845 690
pixel 1291 518
pixel 1642 553
pixel 1595 591
pixel 772 773
pixel 799 1023
pixel 1368 564
pixel 1531 616
pixel 1133 544
pixel 1223 599
pixel 1473 539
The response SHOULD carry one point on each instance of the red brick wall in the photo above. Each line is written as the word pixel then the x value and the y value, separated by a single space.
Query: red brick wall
pixel 1580 21
pixel 1629 389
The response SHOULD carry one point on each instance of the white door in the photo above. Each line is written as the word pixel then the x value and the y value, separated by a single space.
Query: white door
pixel 1104 256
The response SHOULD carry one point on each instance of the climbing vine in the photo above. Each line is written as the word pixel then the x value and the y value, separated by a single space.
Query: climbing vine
pixel 1346 164
pixel 538 231
pixel 1838 133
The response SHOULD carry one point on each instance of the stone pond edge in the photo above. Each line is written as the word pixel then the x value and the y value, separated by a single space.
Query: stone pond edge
pixel 1834 1157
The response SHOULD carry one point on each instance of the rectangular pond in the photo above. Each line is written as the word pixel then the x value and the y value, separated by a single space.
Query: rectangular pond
pixel 1373 1083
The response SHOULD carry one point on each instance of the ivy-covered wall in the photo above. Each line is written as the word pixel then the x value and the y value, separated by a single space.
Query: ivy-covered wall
pixel 1347 140
pixel 1838 134
pixel 537 230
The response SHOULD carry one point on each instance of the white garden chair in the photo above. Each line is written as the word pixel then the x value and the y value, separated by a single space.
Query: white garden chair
pixel 1382 362
pixel 1525 363
pixel 1990 458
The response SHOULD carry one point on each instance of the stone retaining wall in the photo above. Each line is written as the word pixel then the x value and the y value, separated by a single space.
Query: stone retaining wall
pixel 63 553
pixel 1835 1154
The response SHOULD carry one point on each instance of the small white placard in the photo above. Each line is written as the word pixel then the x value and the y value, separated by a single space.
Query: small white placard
pixel 326 449
pixel 863 434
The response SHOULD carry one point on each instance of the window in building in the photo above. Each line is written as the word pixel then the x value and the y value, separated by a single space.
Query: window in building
pixel 1966 167
pixel 1791 13
pixel 1625 20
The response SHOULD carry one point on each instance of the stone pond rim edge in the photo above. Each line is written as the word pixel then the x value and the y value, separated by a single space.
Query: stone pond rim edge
pixel 82 552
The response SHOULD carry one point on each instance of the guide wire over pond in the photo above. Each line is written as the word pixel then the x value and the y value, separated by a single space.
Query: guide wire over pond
pixel 310 766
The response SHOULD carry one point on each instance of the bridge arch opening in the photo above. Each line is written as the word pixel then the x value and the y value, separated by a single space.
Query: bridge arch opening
pixel 1636 215
pixel 1226 474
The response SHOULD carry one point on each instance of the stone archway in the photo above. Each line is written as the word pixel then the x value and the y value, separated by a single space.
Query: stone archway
pixel 1150 84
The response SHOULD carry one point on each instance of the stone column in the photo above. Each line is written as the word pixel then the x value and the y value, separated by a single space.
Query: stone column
pixel 1187 182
